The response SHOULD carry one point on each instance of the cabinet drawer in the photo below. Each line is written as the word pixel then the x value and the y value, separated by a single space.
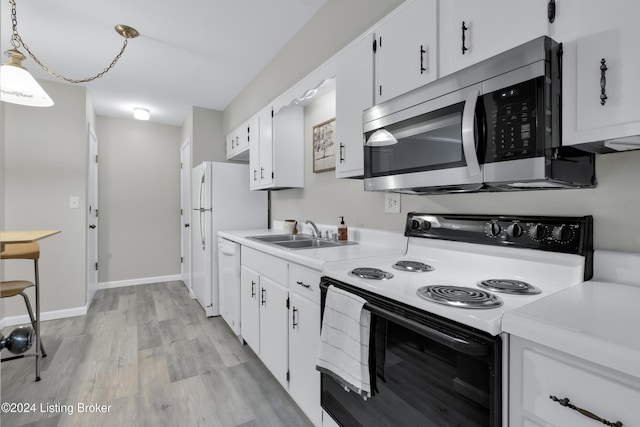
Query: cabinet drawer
pixel 586 386
pixel 305 282
pixel 264 264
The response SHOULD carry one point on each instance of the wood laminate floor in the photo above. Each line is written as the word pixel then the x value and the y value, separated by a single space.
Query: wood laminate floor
pixel 150 355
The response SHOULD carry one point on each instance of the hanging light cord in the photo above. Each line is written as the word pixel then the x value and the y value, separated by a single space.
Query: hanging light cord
pixel 17 41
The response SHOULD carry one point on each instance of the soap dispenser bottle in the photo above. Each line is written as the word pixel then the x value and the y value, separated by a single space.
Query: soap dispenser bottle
pixel 342 230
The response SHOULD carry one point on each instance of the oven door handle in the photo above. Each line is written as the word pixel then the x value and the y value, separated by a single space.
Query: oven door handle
pixel 461 345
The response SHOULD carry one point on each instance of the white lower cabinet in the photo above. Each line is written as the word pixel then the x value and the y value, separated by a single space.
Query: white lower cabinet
pixel 273 328
pixel 280 321
pixel 304 337
pixel 539 375
pixel 264 312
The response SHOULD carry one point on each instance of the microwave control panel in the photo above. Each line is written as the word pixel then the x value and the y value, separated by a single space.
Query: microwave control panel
pixel 513 124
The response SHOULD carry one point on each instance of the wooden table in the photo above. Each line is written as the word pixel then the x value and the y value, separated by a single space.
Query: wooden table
pixel 27 236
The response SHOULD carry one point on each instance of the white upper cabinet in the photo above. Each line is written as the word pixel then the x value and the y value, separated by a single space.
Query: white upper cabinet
pixel 259 144
pixel 601 73
pixel 237 143
pixel 406 50
pixel 472 30
pixel 354 94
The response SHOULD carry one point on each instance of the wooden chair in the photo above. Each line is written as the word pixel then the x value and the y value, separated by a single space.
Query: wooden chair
pixel 10 288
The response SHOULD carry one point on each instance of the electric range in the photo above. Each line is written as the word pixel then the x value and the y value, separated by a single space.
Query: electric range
pixel 523 258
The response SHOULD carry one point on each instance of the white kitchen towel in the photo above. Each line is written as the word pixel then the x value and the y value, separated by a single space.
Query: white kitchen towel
pixel 344 341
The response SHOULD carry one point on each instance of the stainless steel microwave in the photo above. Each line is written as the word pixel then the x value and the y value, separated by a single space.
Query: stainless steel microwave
pixel 493 126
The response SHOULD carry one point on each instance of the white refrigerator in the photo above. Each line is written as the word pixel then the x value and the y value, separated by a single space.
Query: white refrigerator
pixel 221 200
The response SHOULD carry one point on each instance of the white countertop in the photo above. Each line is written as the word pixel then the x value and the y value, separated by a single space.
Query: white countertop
pixel 597 320
pixel 373 243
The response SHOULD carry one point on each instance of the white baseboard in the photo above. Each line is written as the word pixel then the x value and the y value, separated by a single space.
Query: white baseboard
pixel 81 311
pixel 44 316
pixel 136 282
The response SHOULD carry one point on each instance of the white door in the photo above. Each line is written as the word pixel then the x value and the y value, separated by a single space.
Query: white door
pixel 185 212
pixel 92 217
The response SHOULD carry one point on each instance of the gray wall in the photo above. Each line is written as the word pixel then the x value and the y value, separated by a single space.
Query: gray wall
pixel 334 26
pixel 139 199
pixel 204 128
pixel 45 164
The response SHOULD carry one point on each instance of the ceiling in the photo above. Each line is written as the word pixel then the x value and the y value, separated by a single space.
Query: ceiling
pixel 194 53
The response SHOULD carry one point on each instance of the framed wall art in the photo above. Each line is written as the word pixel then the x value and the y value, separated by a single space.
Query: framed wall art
pixel 324 146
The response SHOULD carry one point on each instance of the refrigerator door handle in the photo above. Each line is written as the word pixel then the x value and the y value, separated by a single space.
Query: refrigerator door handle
pixel 204 245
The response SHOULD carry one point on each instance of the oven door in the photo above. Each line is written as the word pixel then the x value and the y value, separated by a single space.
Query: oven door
pixel 428 371
pixel 433 144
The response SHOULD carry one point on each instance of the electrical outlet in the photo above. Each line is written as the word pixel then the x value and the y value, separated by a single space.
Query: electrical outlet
pixel 392 202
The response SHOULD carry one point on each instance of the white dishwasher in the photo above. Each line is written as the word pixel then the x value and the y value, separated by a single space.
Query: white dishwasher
pixel 229 282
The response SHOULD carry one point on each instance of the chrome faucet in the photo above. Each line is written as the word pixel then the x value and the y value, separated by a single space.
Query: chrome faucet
pixel 315 229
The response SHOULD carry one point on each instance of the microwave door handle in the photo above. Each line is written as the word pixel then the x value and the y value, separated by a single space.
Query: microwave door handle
pixel 468 133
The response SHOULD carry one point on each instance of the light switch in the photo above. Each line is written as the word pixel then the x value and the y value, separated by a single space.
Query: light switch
pixel 392 203
pixel 74 202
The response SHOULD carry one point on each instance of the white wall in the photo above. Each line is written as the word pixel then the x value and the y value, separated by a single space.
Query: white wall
pixel 138 199
pixel 45 164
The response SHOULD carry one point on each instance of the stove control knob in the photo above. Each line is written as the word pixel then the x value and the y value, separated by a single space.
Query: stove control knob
pixel 514 230
pixel 562 233
pixel 415 224
pixel 425 226
pixel 538 232
pixel 493 229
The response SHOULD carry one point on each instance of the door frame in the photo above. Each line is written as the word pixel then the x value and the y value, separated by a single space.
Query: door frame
pixel 92 215
pixel 185 213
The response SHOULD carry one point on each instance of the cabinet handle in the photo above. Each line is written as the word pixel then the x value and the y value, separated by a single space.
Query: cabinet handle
pixel 295 321
pixel 551 11
pixel 464 29
pixel 422 52
pixel 301 283
pixel 263 294
pixel 567 403
pixel 261 173
pixel 255 175
pixel 603 81
pixel 341 152
pixel 253 289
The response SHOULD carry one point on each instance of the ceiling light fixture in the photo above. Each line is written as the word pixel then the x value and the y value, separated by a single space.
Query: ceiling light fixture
pixel 140 113
pixel 19 87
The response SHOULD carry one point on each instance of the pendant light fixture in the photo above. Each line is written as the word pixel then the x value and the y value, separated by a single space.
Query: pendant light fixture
pixel 19 87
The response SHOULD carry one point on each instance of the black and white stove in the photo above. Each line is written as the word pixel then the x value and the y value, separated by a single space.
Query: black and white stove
pixel 471 269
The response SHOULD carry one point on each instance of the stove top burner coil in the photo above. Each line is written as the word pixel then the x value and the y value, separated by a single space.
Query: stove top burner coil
pixel 371 273
pixel 509 286
pixel 458 296
pixel 414 266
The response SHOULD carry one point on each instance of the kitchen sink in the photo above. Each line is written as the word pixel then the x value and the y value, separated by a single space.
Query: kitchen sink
pixel 282 237
pixel 299 241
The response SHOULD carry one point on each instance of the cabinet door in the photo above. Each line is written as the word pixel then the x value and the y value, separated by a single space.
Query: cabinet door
pixel 250 308
pixel 274 328
pixel 265 166
pixel 605 73
pixel 406 50
pixel 491 27
pixel 304 336
pixel 254 155
pixel 354 94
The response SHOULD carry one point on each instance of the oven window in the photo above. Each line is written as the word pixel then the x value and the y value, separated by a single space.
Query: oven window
pixel 427 142
pixel 419 382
